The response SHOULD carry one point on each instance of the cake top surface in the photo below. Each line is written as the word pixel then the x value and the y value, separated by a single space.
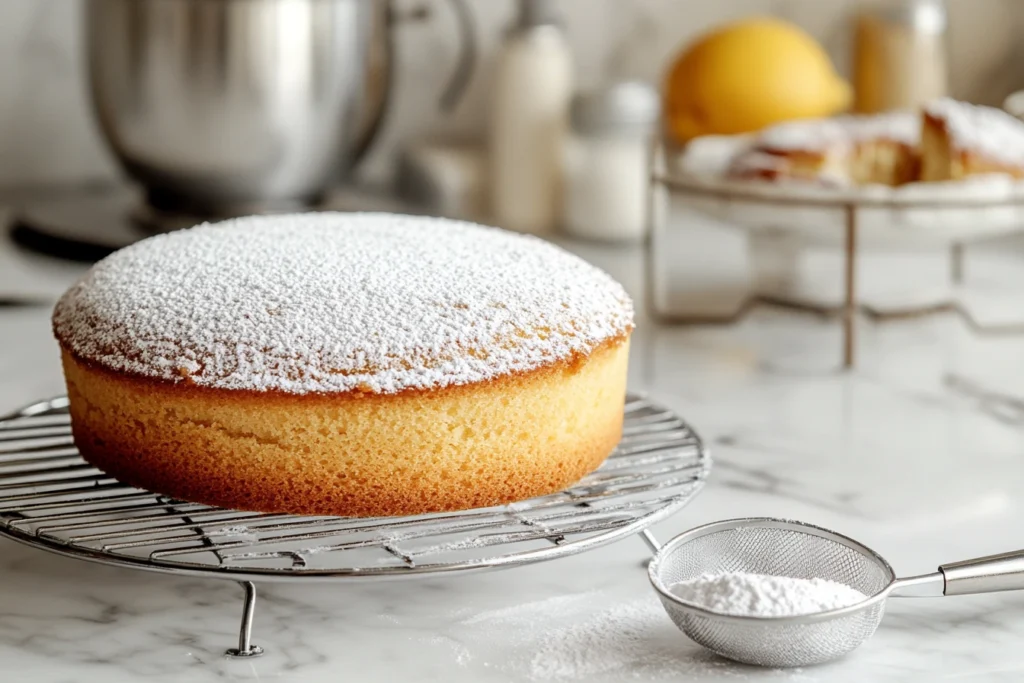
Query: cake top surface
pixel 335 302
pixel 840 131
pixel 987 131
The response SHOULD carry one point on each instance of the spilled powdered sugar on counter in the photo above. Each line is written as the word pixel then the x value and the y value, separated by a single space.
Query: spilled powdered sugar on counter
pixel 596 636
pixel 621 637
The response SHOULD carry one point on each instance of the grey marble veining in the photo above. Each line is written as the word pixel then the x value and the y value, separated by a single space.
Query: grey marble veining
pixel 919 454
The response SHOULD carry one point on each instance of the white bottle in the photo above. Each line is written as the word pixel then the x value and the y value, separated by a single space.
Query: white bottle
pixel 607 163
pixel 529 121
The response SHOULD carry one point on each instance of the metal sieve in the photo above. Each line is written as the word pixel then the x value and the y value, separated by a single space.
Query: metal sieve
pixel 781 547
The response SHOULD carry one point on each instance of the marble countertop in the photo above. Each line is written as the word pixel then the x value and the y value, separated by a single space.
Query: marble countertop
pixel 918 453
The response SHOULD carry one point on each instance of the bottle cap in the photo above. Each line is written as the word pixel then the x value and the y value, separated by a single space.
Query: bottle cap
pixel 629 108
pixel 537 13
pixel 923 16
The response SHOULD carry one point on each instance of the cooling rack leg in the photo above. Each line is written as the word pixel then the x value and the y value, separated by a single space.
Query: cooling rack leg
pixel 245 647
pixel 648 538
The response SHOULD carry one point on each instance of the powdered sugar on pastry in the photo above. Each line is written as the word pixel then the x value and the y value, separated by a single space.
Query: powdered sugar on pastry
pixel 990 132
pixel 841 131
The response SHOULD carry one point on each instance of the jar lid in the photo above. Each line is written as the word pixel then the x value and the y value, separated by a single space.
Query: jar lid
pixel 626 108
pixel 923 16
pixel 533 13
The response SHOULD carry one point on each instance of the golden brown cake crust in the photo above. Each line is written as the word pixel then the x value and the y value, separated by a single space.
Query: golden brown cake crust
pixel 354 453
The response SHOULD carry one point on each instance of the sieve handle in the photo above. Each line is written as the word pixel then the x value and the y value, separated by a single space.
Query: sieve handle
pixel 1003 572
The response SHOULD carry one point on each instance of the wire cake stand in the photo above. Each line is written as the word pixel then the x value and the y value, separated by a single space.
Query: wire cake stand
pixel 951 218
pixel 50 498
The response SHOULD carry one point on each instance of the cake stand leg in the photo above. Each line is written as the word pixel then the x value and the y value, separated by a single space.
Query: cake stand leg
pixel 850 289
pixel 956 263
pixel 245 647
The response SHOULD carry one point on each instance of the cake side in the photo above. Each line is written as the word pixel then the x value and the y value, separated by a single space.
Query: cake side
pixel 939 159
pixel 946 157
pixel 354 454
pixel 884 162
pixel 977 139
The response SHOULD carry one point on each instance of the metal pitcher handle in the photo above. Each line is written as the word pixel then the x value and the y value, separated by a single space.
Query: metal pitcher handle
pixel 459 80
pixel 382 60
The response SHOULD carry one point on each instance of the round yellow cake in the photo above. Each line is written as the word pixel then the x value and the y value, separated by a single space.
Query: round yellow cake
pixel 345 364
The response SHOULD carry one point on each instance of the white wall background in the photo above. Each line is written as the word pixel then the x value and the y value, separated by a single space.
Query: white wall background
pixel 47 134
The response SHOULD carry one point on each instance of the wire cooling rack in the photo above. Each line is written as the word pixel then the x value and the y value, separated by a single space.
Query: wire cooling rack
pixel 51 498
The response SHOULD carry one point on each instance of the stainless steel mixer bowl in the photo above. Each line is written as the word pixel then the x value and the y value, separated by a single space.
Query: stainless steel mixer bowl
pixel 222 107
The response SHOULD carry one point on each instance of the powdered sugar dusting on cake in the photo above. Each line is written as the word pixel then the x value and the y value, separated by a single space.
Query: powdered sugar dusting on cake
pixel 840 132
pixel 333 302
pixel 987 131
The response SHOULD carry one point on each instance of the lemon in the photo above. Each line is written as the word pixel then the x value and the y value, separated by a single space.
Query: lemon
pixel 748 75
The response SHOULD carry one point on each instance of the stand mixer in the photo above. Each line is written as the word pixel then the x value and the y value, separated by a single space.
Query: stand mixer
pixel 220 108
